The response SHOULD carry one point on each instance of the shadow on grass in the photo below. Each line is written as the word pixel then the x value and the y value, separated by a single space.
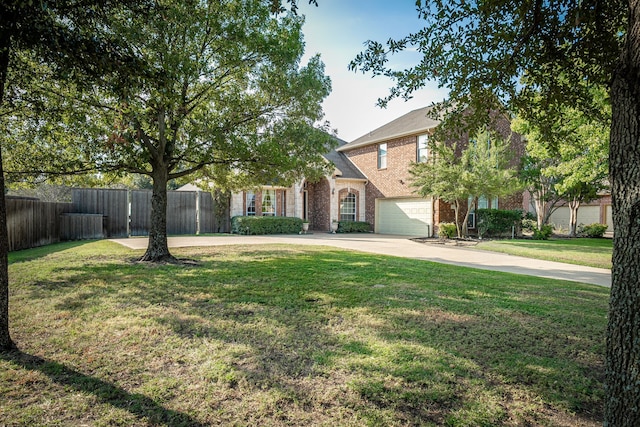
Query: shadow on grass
pixel 417 339
pixel 137 404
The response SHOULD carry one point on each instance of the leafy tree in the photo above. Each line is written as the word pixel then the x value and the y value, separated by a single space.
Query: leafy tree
pixel 227 95
pixel 566 159
pixel 481 169
pixel 443 177
pixel 75 42
pixel 71 37
pixel 489 160
pixel 536 168
pixel 509 52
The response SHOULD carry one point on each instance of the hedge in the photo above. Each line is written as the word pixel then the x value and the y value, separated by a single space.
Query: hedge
pixel 353 227
pixel 496 222
pixel 252 225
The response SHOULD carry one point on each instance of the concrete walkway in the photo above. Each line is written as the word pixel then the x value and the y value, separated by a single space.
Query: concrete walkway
pixel 403 247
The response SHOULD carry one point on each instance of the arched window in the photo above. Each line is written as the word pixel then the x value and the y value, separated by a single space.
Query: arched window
pixel 348 207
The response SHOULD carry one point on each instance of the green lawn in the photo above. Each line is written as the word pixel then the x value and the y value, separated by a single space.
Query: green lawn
pixel 589 252
pixel 289 335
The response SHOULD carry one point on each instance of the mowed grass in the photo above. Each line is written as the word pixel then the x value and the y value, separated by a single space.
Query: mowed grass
pixel 582 251
pixel 287 335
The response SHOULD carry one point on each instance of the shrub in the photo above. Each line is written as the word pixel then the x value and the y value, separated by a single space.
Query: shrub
pixel 592 230
pixel 543 233
pixel 353 227
pixel 447 230
pixel 252 225
pixel 495 222
pixel 529 224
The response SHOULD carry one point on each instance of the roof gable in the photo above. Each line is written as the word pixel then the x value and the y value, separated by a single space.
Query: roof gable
pixel 414 122
pixel 342 163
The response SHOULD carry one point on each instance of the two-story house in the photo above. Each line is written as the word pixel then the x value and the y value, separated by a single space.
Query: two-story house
pixel 371 183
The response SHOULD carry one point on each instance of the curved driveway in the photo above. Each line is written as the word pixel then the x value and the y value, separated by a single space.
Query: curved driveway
pixel 403 247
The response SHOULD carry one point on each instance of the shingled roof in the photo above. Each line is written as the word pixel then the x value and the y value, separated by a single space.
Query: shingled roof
pixel 343 164
pixel 412 123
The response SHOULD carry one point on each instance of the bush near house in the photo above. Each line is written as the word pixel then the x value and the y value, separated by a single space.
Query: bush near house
pixel 592 230
pixel 543 233
pixel 447 230
pixel 252 225
pixel 497 222
pixel 353 227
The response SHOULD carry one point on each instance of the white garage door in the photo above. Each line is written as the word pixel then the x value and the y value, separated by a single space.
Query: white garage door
pixel 586 215
pixel 406 217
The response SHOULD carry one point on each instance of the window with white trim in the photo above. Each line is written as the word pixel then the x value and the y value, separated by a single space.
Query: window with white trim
pixel 268 202
pixel 382 156
pixel 422 154
pixel 348 207
pixel 251 203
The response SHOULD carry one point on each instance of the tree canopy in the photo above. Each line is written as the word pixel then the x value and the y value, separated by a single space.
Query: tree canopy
pixel 498 54
pixel 225 95
pixel 460 175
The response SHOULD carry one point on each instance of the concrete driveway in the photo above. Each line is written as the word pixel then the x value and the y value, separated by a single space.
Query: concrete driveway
pixel 403 247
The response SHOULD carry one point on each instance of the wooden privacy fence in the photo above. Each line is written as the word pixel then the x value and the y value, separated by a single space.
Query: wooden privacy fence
pixel 32 223
pixel 99 213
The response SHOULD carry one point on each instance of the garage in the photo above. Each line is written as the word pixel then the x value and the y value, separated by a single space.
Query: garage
pixel 586 215
pixel 406 217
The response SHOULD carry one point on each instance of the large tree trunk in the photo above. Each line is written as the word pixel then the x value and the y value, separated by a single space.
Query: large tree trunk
pixel 623 332
pixel 5 338
pixel 158 249
pixel 574 205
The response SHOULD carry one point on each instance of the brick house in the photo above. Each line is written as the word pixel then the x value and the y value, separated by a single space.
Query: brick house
pixel 371 183
pixel 339 196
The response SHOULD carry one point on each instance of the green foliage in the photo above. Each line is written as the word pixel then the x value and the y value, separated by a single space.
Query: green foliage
pixel 447 230
pixel 594 230
pixel 481 169
pixel 529 224
pixel 495 222
pixel 542 233
pixel 255 225
pixel 353 227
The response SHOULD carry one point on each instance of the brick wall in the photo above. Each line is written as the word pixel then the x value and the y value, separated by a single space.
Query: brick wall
pixel 319 205
pixel 393 181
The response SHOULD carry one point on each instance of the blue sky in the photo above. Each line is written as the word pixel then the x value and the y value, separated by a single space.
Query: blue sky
pixel 337 29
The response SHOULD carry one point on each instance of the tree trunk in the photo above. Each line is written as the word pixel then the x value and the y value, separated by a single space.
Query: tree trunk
pixel 622 406
pixel 539 204
pixel 574 205
pixel 456 211
pixel 5 338
pixel 158 249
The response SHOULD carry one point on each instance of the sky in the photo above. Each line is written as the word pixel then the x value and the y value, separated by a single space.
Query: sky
pixel 337 30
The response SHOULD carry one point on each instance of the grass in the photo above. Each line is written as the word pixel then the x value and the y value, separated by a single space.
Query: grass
pixel 286 335
pixel 583 251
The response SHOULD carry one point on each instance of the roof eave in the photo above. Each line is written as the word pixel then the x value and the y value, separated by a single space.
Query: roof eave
pixel 348 147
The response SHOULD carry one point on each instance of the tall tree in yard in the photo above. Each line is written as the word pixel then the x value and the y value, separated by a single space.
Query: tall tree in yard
pixel 494 50
pixel 567 157
pixel 72 38
pixel 227 92
pixel 481 169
